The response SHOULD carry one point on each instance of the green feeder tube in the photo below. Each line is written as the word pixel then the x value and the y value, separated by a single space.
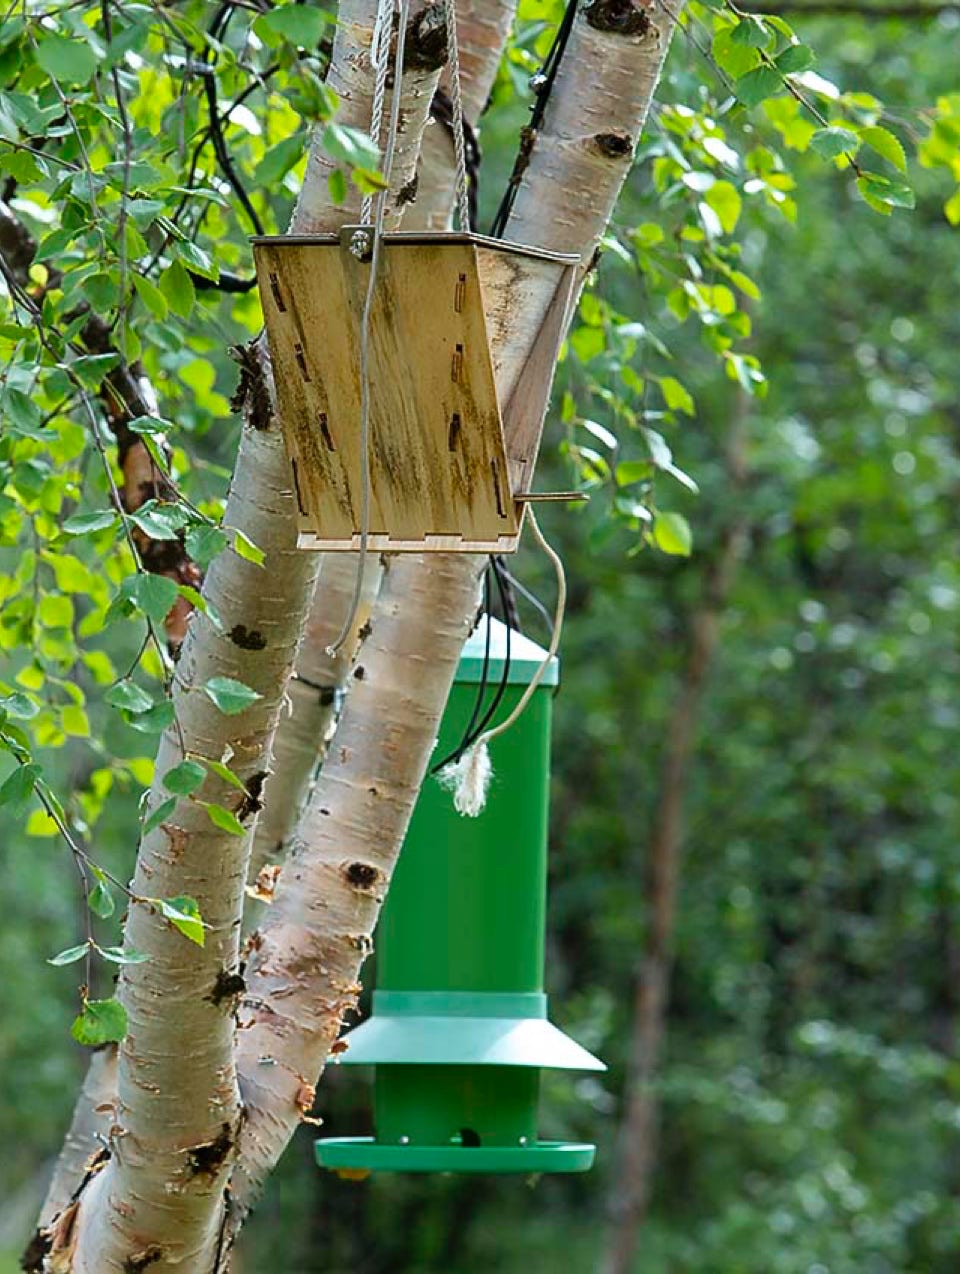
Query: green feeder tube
pixel 459 1031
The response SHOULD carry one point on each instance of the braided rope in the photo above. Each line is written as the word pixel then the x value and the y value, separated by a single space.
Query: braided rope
pixel 379 203
pixel 456 101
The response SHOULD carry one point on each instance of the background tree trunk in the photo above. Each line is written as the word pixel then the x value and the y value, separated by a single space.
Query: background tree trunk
pixel 637 1148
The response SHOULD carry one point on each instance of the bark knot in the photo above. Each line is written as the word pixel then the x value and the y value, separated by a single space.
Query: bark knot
pixel 362 876
pixel 426 44
pixel 619 17
pixel 251 802
pixel 247 638
pixel 227 987
pixel 143 1260
pixel 209 1157
pixel 614 145
pixel 252 394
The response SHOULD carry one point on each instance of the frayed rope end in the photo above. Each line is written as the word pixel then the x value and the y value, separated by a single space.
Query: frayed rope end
pixel 468 778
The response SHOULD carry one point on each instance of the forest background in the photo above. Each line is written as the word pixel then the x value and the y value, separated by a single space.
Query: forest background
pixel 809 1085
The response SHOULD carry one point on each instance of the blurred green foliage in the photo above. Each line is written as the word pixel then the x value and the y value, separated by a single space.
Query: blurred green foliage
pixel 811 1088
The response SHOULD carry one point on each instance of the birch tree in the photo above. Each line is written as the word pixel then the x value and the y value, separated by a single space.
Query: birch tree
pixel 209 1052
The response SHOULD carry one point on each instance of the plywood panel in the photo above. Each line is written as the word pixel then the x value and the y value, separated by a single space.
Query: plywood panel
pixel 459 326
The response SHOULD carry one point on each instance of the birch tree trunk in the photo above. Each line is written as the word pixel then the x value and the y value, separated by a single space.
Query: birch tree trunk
pixel 158 1199
pixel 305 961
pixel 637 1142
pixel 321 681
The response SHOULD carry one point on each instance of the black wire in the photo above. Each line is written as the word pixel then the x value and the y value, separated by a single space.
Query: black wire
pixel 543 86
pixel 505 674
pixel 462 746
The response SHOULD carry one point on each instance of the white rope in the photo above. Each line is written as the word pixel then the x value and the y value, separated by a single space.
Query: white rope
pixel 469 777
pixel 456 101
pixel 378 47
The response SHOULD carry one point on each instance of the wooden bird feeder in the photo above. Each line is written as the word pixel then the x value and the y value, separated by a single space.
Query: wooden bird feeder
pixel 463 339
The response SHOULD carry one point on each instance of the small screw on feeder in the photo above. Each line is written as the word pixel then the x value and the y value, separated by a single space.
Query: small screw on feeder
pixel 459 1031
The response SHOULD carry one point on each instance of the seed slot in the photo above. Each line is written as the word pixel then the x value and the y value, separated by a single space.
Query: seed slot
pixel 301 361
pixel 454 435
pixel 456 365
pixel 495 470
pixel 325 430
pixel 277 294
pixel 459 293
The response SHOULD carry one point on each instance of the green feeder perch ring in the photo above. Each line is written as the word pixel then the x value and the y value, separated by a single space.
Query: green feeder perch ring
pixel 364 1154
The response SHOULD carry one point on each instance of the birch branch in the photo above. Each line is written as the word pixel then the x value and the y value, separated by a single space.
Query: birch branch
pixel 306 959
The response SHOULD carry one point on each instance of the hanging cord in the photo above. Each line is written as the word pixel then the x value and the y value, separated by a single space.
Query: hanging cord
pixel 380 60
pixel 469 777
pixel 542 85
pixel 456 102
pixel 441 110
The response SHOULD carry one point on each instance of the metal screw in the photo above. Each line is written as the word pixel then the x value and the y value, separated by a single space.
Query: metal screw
pixel 538 82
pixel 523 1141
pixel 404 1141
pixel 361 245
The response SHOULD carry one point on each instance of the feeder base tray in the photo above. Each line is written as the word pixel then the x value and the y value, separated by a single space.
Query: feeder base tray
pixel 364 1154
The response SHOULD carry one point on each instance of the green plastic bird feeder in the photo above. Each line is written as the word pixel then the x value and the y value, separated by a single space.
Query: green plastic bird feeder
pixel 459 1031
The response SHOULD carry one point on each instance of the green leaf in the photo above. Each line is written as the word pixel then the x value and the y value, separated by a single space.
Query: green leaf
pixel 151 296
pixel 117 955
pixel 161 521
pixel 154 594
pixel 93 368
pixel 337 185
pixel 760 83
pixel 677 396
pixel 184 914
pixel 197 260
pixel 101 901
pixel 798 57
pixel 224 772
pixel 100 1022
pixel 724 198
pixel 890 194
pixel 70 61
pixel 885 144
pixel 279 159
pixel 87 523
pixel 160 815
pixel 17 788
pixel 245 548
pixel 129 696
pixel 185 778
pixel 150 426
pixel 630 471
pixel 951 209
pixel 225 819
pixel 672 534
pixel 177 286
pixel 301 24
pixel 350 146
pixel 19 706
pixel 203 543
pixel 70 956
pixel 831 143
pixel 155 719
pixel 751 32
pixel 230 696
pixel 55 611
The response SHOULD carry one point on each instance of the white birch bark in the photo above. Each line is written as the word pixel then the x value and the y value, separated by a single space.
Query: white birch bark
pixel 159 1200
pixel 307 956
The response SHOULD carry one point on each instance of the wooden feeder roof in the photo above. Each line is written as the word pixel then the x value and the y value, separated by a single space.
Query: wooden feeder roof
pixel 463 339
